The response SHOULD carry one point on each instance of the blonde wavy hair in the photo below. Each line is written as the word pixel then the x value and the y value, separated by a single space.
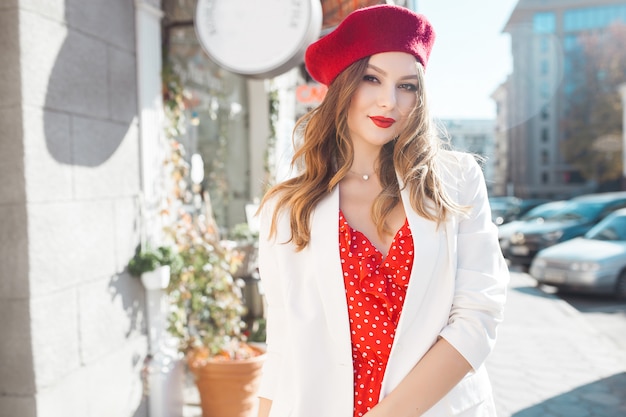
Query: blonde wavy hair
pixel 324 156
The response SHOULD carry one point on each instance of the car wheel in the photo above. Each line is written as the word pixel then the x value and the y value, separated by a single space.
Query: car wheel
pixel 620 287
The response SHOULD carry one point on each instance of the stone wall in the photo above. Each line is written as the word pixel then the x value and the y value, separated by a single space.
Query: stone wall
pixel 72 332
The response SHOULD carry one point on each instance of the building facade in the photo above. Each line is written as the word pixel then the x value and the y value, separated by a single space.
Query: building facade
pixel 543 37
pixel 477 137
pixel 501 157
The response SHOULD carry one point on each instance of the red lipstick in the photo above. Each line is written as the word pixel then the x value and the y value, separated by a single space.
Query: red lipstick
pixel 383 122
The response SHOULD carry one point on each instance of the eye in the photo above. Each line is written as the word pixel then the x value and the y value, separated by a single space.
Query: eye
pixel 370 78
pixel 408 87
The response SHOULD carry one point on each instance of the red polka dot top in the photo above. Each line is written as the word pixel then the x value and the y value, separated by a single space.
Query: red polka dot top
pixel 375 291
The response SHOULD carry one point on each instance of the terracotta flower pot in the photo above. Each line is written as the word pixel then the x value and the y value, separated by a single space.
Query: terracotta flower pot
pixel 228 388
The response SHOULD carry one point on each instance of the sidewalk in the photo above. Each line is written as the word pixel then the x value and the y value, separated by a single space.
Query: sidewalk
pixel 549 362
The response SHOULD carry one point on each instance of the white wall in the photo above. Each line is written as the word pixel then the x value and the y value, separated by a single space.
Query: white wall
pixel 73 329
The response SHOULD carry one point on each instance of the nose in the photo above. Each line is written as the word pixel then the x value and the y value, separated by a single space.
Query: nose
pixel 387 96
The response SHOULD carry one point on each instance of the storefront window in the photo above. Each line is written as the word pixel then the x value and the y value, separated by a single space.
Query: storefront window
pixel 216 118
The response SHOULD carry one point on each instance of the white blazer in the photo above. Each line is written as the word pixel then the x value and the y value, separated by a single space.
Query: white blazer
pixel 457 291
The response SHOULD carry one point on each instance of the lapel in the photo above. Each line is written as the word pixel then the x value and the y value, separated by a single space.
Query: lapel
pixel 427 242
pixel 325 251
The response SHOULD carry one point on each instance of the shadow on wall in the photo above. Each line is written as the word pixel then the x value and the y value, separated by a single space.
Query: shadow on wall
pixel 605 397
pixel 91 94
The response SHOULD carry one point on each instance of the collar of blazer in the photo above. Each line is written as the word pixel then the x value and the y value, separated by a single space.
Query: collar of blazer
pixel 324 247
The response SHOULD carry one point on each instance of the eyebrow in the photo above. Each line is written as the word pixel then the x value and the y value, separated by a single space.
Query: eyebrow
pixel 380 70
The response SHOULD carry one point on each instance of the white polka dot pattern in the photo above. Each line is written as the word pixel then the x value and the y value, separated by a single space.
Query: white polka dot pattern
pixel 375 291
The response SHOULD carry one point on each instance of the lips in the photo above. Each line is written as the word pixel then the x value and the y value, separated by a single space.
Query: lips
pixel 383 122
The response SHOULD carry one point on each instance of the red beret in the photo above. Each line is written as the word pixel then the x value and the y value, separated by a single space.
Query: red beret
pixel 368 31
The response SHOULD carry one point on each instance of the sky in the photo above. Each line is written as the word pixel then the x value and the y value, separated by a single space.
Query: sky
pixel 471 56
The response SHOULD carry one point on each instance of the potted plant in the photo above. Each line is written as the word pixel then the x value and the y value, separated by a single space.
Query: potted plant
pixel 207 311
pixel 244 241
pixel 206 305
pixel 153 265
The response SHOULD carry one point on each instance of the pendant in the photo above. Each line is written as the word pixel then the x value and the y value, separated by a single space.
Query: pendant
pixel 366 177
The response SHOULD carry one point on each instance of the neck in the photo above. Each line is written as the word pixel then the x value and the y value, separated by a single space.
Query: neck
pixel 363 175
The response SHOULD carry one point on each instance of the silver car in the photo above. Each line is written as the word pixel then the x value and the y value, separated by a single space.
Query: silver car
pixel 594 263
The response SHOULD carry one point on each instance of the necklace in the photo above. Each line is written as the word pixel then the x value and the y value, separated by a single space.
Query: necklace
pixel 364 176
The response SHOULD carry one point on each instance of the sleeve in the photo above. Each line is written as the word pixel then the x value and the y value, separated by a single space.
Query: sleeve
pixel 276 333
pixel 481 273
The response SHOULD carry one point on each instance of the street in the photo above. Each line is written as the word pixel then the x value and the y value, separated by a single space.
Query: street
pixel 605 313
pixel 554 360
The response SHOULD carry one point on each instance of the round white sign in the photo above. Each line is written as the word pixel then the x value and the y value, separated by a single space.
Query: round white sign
pixel 258 38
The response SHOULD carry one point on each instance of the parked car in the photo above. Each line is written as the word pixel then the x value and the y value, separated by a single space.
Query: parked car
pixel 538 214
pixel 594 263
pixel 505 209
pixel 574 219
pixel 527 204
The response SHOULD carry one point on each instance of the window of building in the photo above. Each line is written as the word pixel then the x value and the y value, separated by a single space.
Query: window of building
pixel 545 178
pixel 545 157
pixel 570 43
pixel 545 114
pixel 545 89
pixel 593 17
pixel 545 67
pixel 544 22
pixel 545 135
pixel 545 44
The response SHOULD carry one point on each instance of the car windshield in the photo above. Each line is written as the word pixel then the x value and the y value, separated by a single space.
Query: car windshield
pixel 543 211
pixel 611 228
pixel 577 210
pixel 499 207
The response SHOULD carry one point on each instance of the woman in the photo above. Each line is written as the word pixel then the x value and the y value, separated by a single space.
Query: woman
pixel 380 264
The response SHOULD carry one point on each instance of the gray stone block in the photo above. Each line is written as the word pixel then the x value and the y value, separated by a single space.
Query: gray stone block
pixel 106 156
pixel 122 86
pixel 63 69
pixel 47 149
pixel 127 231
pixel 51 9
pixel 110 20
pixel 41 42
pixel 67 397
pixel 13 252
pixel 70 243
pixel 156 4
pixel 8 5
pixel 54 246
pixel 16 366
pixel 11 406
pixel 12 186
pixel 111 386
pixel 119 376
pixel 10 79
pixel 110 314
pixel 55 335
